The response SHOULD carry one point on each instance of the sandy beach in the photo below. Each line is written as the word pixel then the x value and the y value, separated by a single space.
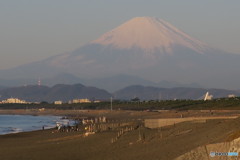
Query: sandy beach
pixel 168 143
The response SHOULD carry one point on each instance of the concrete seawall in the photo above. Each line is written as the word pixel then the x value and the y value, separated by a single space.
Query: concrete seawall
pixel 157 123
pixel 203 152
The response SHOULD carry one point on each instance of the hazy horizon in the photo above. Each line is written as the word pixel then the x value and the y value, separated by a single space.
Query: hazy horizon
pixel 35 30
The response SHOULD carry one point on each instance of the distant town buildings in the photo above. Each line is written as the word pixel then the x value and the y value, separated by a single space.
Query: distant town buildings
pixel 85 100
pixel 74 101
pixel 58 102
pixel 231 96
pixel 14 101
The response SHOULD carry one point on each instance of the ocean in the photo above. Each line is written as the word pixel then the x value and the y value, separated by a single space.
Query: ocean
pixel 23 123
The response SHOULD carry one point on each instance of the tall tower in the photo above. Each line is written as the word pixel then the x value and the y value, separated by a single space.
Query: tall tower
pixel 206 96
pixel 39 82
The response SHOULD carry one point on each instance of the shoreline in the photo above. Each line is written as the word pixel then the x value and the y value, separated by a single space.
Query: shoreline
pixel 30 123
pixel 179 138
pixel 125 114
pixel 48 145
pixel 25 132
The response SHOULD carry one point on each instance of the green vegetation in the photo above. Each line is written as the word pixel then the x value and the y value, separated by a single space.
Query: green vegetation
pixel 223 103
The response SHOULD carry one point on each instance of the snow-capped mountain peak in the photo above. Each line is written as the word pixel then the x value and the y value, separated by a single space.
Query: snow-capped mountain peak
pixel 149 34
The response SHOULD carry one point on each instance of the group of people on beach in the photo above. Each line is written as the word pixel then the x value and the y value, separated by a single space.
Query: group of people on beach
pixel 67 128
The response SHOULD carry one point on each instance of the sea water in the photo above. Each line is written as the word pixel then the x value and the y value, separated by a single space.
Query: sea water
pixel 23 123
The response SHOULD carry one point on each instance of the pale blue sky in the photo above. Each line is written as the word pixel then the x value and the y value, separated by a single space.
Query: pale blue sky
pixel 32 30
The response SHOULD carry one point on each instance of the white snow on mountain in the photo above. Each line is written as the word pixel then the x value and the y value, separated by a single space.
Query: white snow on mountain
pixel 149 34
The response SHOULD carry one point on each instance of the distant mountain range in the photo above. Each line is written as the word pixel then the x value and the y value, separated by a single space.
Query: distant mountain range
pixel 35 93
pixel 110 84
pixel 145 47
pixel 154 93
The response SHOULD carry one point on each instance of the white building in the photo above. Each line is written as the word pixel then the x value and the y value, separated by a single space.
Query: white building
pixel 231 96
pixel 58 102
pixel 81 101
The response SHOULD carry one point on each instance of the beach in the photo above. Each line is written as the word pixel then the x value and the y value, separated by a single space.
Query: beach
pixel 168 143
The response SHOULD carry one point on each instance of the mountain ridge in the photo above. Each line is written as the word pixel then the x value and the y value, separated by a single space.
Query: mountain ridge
pixel 180 58
pixel 111 84
pixel 35 93
pixel 156 93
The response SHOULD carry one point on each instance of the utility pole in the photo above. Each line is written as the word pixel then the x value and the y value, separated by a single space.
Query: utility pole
pixel 111 103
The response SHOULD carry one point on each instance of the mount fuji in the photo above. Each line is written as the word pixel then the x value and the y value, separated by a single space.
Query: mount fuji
pixel 145 47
